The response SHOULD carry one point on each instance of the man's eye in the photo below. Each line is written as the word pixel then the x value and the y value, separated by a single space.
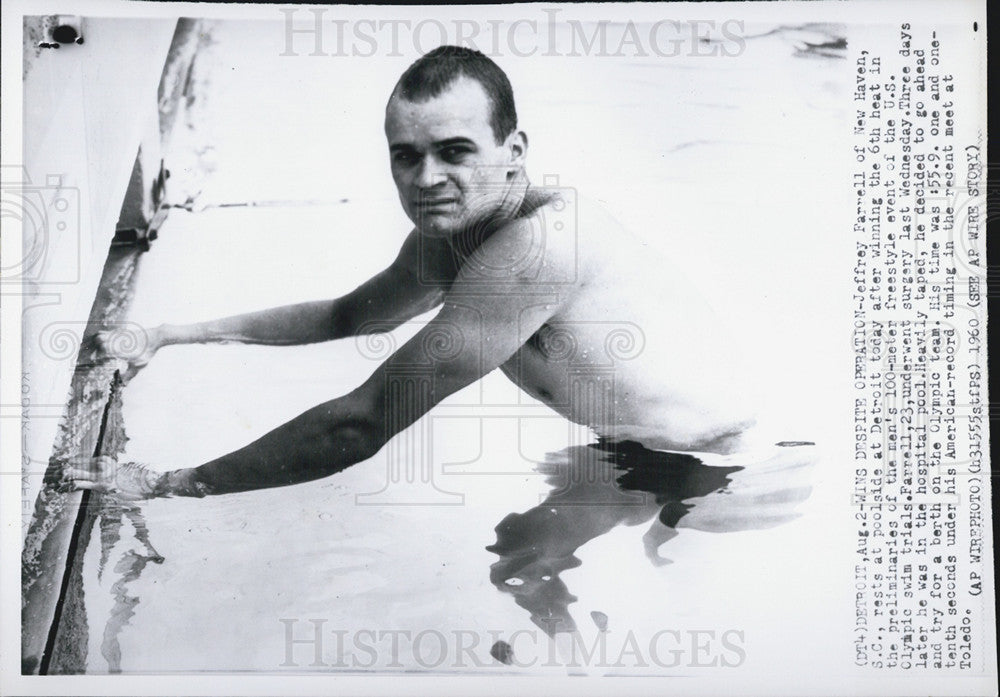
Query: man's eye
pixel 454 154
pixel 404 158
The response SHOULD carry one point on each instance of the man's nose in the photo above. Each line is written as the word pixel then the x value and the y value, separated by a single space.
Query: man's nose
pixel 429 173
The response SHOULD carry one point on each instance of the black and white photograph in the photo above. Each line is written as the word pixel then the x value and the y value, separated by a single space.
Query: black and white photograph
pixel 592 347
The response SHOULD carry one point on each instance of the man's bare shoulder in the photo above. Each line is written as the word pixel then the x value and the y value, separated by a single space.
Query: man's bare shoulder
pixel 583 226
pixel 536 246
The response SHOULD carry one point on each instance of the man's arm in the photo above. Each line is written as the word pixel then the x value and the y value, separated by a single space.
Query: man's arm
pixel 386 300
pixel 480 326
pixel 381 303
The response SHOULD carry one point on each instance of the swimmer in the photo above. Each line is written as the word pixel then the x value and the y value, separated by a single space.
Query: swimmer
pixel 533 280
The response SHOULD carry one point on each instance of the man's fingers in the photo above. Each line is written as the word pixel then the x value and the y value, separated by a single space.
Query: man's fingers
pixel 89 469
pixel 128 481
pixel 103 340
pixel 76 478
pixel 77 473
pixel 116 343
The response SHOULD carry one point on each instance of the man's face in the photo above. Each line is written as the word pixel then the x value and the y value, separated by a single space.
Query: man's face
pixel 448 168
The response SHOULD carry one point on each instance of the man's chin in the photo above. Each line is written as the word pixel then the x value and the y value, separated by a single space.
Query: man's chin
pixel 437 225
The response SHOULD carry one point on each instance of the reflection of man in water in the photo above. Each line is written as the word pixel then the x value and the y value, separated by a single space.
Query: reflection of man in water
pixel 548 288
pixel 536 546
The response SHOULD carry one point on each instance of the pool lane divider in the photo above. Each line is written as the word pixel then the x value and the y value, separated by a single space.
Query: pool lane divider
pixel 79 537
pixel 54 628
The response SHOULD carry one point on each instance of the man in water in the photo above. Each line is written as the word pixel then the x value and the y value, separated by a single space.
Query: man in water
pixel 548 288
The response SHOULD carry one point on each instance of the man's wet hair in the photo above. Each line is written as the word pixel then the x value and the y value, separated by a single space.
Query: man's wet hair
pixel 434 72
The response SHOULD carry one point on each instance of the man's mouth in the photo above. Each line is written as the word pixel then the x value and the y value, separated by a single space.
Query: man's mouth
pixel 432 203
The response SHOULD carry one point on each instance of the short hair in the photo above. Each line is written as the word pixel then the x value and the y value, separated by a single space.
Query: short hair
pixel 434 72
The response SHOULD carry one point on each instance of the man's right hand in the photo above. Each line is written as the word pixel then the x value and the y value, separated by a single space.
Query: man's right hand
pixel 132 343
pixel 128 481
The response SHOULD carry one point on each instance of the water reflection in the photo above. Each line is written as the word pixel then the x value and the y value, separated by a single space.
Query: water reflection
pixel 128 569
pixel 601 486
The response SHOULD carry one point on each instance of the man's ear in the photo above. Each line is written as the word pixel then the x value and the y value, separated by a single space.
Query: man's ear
pixel 517 146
